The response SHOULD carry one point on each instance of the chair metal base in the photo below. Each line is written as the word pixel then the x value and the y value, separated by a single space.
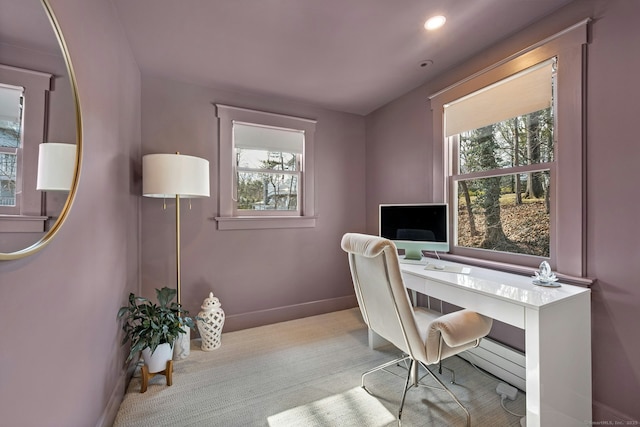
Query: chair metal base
pixel 453 373
pixel 412 380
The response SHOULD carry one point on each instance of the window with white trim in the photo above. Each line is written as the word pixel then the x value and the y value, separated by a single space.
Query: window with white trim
pixel 508 157
pixel 266 170
pixel 23 121
pixel 501 141
pixel 268 164
pixel 11 101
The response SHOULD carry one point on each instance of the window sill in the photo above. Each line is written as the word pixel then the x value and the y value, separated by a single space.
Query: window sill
pixel 266 222
pixel 585 282
pixel 22 224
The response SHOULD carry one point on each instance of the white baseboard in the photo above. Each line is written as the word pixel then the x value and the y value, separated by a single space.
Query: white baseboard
pixel 504 362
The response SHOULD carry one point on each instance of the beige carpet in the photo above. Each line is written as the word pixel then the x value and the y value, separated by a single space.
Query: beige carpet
pixel 273 373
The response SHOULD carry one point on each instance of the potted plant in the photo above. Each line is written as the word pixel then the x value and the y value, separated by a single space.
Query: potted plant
pixel 152 328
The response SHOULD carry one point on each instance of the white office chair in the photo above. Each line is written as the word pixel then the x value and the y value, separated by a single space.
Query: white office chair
pixel 424 336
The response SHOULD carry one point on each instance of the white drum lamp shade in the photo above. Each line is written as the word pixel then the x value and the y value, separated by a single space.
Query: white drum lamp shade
pixel 171 175
pixel 56 166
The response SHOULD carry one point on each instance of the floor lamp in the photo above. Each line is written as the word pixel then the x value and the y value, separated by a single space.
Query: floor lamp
pixel 179 176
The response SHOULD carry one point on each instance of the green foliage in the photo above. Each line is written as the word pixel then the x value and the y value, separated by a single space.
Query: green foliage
pixel 498 148
pixel 518 141
pixel 148 324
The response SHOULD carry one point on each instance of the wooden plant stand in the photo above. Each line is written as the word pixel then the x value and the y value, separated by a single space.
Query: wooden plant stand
pixel 146 376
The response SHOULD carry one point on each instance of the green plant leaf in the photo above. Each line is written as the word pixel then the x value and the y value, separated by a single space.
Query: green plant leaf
pixel 147 324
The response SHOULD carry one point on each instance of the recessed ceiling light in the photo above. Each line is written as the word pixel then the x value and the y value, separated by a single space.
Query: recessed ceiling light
pixel 435 22
pixel 426 63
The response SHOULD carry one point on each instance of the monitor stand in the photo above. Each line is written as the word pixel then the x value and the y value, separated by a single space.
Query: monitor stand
pixel 413 254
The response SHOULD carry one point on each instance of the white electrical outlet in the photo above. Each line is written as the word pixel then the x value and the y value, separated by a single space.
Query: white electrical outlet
pixel 506 390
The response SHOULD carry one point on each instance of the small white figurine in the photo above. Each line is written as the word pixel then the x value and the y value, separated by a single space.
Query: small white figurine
pixel 544 276
pixel 210 322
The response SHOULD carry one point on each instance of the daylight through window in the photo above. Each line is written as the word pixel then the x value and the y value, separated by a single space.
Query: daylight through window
pixel 268 163
pixel 509 157
pixel 266 174
pixel 11 101
pixel 501 161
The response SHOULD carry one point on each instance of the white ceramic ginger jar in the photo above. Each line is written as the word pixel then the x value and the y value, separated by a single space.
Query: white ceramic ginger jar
pixel 210 322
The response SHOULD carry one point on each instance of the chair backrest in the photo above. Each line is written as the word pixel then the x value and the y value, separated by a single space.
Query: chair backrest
pixel 381 293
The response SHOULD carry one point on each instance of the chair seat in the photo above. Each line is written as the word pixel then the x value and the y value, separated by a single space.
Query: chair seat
pixel 449 334
pixel 425 315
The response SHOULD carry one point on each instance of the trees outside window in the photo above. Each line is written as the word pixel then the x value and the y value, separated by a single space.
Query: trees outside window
pixel 266 174
pixel 508 156
pixel 11 101
pixel 267 180
pixel 502 143
pixel 24 103
pixel 506 211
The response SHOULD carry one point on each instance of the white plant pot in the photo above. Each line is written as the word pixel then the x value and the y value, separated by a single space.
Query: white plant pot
pixel 157 361
pixel 182 344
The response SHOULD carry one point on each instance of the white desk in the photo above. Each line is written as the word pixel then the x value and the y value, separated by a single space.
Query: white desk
pixel 557 325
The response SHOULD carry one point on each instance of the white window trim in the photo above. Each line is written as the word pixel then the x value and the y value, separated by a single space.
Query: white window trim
pixel 36 86
pixel 567 255
pixel 228 219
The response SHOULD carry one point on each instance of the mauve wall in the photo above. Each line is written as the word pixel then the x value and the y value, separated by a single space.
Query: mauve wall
pixel 260 276
pixel 399 142
pixel 61 360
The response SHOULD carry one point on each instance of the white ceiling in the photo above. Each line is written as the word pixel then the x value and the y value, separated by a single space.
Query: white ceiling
pixel 345 55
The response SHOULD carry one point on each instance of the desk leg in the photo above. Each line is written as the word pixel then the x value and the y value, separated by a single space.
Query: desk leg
pixel 414 297
pixel 558 363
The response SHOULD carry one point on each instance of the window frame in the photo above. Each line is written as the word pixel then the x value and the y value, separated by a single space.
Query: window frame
pixel 27 215
pixel 567 255
pixel 297 172
pixel 455 176
pixel 231 218
pixel 17 152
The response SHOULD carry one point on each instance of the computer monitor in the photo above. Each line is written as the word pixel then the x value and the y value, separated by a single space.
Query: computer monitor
pixel 416 227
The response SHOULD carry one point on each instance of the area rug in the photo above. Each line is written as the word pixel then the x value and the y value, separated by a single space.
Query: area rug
pixel 353 408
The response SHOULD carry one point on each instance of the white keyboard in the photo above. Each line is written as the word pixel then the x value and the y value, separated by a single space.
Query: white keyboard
pixel 448 268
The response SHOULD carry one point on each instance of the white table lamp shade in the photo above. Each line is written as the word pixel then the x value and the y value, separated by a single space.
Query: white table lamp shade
pixel 171 175
pixel 56 166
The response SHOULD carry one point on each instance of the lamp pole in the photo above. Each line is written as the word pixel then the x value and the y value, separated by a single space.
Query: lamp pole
pixel 178 289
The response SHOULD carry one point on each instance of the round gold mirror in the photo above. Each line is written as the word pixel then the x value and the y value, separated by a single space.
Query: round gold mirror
pixel 40 128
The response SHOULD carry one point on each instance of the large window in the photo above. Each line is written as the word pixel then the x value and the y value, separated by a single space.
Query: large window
pixel 508 157
pixel 266 170
pixel 501 163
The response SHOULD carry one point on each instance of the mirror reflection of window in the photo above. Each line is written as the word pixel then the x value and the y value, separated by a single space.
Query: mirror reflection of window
pixel 11 102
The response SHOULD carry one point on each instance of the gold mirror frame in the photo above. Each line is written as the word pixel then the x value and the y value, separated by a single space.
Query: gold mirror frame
pixel 74 185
